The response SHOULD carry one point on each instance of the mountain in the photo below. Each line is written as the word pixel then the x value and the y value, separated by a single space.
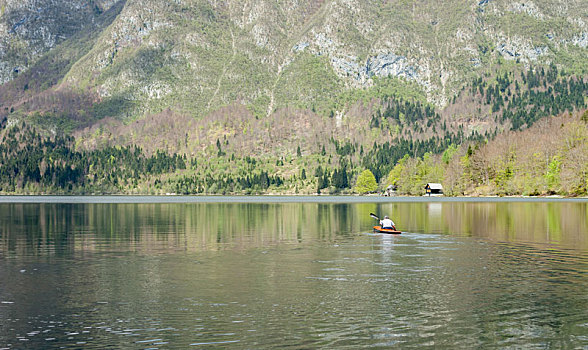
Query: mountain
pixel 207 78
pixel 198 56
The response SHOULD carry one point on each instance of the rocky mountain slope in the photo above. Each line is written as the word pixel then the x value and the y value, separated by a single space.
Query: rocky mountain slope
pixel 201 55
pixel 30 28
pixel 73 63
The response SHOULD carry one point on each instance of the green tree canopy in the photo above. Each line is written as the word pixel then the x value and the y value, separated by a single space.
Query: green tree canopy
pixel 366 182
pixel 396 172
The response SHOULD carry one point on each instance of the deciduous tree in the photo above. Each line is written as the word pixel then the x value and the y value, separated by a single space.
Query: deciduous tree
pixel 366 182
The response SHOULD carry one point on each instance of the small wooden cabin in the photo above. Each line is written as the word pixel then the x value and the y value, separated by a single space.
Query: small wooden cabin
pixel 434 189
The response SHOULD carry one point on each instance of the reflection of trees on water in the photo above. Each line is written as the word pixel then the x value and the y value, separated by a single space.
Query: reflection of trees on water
pixel 36 227
pixel 559 223
pixel 64 229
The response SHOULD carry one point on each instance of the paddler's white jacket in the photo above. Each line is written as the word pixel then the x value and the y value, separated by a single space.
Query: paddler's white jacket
pixel 387 223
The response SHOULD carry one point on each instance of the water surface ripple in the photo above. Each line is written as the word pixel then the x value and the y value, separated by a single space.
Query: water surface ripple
pixel 291 275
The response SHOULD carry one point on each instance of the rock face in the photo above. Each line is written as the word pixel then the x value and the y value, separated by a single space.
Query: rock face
pixel 197 56
pixel 389 65
pixel 29 28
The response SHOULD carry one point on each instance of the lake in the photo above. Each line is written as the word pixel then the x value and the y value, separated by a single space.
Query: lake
pixel 294 272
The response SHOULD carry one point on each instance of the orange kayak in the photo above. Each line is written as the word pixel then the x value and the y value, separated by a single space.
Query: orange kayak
pixel 379 229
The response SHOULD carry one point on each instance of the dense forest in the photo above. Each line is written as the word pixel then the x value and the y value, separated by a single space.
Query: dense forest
pixel 536 144
pixel 549 158
pixel 537 94
pixel 514 163
pixel 33 163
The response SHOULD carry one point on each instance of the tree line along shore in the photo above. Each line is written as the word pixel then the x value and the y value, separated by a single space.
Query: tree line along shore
pixel 550 158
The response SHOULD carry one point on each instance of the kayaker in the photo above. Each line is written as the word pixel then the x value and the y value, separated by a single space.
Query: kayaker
pixel 387 223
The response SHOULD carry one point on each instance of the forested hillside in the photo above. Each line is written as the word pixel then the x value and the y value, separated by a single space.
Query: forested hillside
pixel 551 157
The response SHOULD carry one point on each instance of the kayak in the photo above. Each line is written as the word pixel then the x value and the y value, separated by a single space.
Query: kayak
pixel 379 229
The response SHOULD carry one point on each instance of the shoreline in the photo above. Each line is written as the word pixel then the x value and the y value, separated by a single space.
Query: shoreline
pixel 137 199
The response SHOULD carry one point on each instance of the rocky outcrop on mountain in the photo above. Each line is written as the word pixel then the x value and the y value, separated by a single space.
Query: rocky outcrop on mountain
pixel 197 56
pixel 29 28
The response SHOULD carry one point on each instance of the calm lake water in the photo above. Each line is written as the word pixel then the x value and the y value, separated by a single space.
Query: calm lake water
pixel 293 274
